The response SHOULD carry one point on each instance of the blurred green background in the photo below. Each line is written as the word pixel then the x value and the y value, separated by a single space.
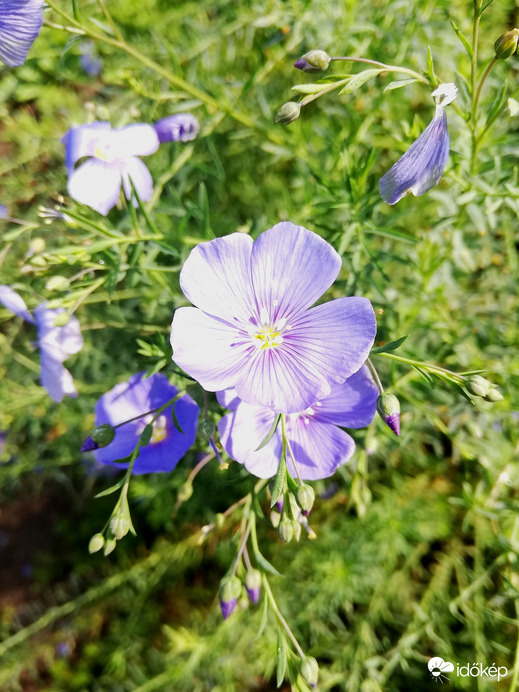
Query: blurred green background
pixel 417 537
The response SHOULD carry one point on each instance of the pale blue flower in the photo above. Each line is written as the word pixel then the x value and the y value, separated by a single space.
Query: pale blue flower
pixel 56 343
pixel 113 160
pixel 180 127
pixel 422 165
pixel 20 24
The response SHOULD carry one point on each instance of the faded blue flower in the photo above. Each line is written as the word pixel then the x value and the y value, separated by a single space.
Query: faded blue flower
pixel 180 127
pixel 20 24
pixel 317 441
pixel 113 159
pixel 89 61
pixel 56 343
pixel 135 399
pixel 422 165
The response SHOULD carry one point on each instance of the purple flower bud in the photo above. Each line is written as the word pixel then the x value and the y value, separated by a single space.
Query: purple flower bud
pixel 230 590
pixel 313 61
pixel 180 127
pixel 88 445
pixel 388 408
pixel 305 497
pixel 253 584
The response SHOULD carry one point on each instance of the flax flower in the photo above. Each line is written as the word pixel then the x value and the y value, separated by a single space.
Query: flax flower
pixel 136 398
pixel 113 159
pixel 422 165
pixel 56 343
pixel 253 327
pixel 317 442
pixel 179 127
pixel 20 24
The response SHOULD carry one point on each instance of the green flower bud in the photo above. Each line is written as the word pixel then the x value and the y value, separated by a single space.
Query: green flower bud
pixel 229 592
pixel 109 546
pixel 96 543
pixel 286 529
pixel 57 283
pixel 493 395
pixel 388 408
pixel 310 670
pixel 253 584
pixel 288 113
pixel 119 525
pixel 506 44
pixel 313 61
pixel 305 497
pixel 103 434
pixel 275 518
pixel 296 527
pixel 478 386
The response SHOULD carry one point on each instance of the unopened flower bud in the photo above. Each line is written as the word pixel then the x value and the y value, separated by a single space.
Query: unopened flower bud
pixel 275 518
pixel 313 61
pixel 288 113
pixel 388 408
pixel 253 584
pixel 119 526
pixel 506 44
pixel 310 670
pixel 286 529
pixel 305 497
pixel 230 590
pixel 109 546
pixel 493 395
pixel 88 445
pixel 96 543
pixel 478 386
pixel 296 527
pixel 103 434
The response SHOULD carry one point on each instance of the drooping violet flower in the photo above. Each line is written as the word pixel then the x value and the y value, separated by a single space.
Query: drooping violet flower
pixel 422 165
pixel 135 398
pixel 20 24
pixel 180 127
pixel 253 327
pixel 89 61
pixel 56 343
pixel 318 443
pixel 97 181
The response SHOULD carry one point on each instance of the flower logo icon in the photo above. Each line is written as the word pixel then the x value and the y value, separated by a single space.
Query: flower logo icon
pixel 438 667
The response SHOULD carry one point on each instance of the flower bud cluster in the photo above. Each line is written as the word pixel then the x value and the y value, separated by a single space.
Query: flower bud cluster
pixel 231 588
pixel 478 386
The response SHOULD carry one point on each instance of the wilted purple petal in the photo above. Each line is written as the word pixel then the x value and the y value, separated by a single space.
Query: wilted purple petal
pixel 57 342
pixel 13 302
pixel 180 127
pixel 291 268
pixel 97 184
pixel 55 378
pixel 20 24
pixel 351 404
pixel 422 165
pixel 82 141
pixel 137 397
pixel 142 180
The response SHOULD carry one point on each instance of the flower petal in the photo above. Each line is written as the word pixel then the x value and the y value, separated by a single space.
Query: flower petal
pixel 334 338
pixel 57 342
pixel 82 141
pixel 20 24
pixel 207 348
pixel 318 448
pixel 216 278
pixel 139 139
pixel 422 165
pixel 97 184
pixel 351 404
pixel 179 127
pixel 291 268
pixel 13 302
pixel 140 175
pixel 242 432
pixel 55 378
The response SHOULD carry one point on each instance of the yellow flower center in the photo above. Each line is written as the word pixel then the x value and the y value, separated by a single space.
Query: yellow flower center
pixel 160 431
pixel 269 333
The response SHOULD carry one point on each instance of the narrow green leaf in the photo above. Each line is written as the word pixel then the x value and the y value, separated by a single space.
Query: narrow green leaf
pixel 391 233
pixel 430 67
pixel 462 38
pixel 309 88
pixel 279 480
pixel 358 80
pixel 281 660
pixel 149 222
pixel 264 619
pixel 398 84
pixel 391 346
pixel 265 564
pixel 175 420
pixel 497 105
pixel 75 11
pixel 146 435
pixel 270 433
pixel 112 489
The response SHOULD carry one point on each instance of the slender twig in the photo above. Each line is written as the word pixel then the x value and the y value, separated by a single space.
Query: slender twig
pixel 375 376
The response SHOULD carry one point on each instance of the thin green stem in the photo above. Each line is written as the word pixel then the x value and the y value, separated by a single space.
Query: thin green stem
pixel 453 376
pixel 289 447
pixel 110 21
pixel 280 618
pixel 473 87
pixel 388 68
pixel 375 376
pixel 243 543
pixel 482 80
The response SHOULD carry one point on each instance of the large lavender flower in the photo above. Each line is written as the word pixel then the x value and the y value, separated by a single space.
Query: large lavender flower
pixel 252 328
pixel 56 343
pixel 20 24
pixel 318 444
pixel 97 181
pixel 422 165
pixel 135 398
